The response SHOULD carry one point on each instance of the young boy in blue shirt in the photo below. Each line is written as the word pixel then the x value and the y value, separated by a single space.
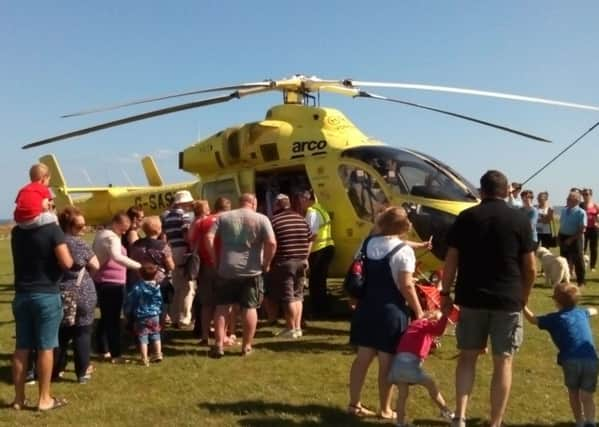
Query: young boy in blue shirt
pixel 143 304
pixel 570 330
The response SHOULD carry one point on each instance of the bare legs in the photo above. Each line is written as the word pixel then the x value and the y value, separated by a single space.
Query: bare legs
pixel 220 314
pixel 583 406
pixel 250 320
pixel 500 384
pixel 45 362
pixel 385 386
pixel 576 405
pixel 19 367
pixel 464 380
pixel 402 397
pixel 357 375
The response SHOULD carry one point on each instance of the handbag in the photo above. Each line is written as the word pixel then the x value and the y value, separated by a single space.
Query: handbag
pixel 191 265
pixel 69 301
pixel 355 277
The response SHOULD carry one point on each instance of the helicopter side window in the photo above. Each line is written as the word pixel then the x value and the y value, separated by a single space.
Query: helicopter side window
pixel 413 173
pixel 223 188
pixel 364 192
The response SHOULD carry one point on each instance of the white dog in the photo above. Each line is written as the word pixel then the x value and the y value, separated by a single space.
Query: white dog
pixel 555 267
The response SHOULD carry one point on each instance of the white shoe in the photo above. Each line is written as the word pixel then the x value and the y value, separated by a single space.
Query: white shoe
pixel 299 333
pixel 458 422
pixel 287 333
pixel 446 414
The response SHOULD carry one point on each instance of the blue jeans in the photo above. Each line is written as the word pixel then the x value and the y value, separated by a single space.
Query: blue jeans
pixel 37 319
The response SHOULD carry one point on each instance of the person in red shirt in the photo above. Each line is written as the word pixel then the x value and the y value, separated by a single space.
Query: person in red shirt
pixel 33 200
pixel 413 347
pixel 207 276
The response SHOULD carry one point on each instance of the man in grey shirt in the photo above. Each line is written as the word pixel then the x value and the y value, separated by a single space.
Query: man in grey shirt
pixel 245 246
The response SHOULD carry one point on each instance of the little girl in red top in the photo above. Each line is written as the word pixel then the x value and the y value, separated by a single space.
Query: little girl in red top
pixel 414 346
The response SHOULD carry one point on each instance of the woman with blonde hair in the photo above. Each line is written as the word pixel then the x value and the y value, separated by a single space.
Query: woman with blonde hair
pixel 382 313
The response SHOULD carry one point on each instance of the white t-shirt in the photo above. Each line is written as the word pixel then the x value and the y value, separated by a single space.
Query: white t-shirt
pixel 403 260
pixel 313 220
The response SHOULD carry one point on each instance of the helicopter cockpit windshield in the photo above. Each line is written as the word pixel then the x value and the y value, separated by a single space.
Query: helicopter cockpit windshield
pixel 413 173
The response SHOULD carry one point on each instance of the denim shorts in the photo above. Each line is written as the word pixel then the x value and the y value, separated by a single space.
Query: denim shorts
pixel 476 326
pixel 581 374
pixel 37 319
pixel 147 329
pixel 407 368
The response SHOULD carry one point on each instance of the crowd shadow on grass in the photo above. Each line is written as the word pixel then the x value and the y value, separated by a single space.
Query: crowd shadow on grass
pixel 256 413
pixel 304 345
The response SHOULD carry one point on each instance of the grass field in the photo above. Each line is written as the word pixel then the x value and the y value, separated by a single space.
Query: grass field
pixel 284 383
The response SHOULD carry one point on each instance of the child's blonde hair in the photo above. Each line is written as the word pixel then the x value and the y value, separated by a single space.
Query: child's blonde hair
pixel 566 295
pixel 38 172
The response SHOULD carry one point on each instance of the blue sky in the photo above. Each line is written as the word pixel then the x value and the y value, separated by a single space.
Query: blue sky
pixel 64 56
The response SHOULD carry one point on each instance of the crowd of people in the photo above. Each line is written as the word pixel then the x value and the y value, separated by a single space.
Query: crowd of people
pixel 208 268
pixel 142 268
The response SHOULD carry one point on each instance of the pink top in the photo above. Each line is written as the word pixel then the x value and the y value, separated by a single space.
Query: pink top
pixel 112 272
pixel 419 336
pixel 592 212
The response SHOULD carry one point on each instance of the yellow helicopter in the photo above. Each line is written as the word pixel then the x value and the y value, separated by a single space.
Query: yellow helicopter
pixel 301 145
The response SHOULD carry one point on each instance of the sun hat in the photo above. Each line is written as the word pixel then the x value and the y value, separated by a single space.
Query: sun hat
pixel 182 197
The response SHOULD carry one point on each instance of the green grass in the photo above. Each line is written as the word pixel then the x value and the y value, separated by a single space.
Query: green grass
pixel 284 383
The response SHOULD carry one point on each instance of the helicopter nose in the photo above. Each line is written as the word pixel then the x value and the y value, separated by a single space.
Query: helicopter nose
pixel 429 222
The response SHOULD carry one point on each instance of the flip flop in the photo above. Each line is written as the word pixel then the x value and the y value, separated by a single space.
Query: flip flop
pixel 360 411
pixel 57 402
pixel 391 416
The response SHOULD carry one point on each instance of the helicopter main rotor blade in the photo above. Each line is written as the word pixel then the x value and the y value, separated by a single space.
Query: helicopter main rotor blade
pixel 356 84
pixel 265 84
pixel 363 94
pixel 210 101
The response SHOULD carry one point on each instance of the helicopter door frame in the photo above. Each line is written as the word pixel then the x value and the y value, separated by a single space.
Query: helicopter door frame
pixel 220 186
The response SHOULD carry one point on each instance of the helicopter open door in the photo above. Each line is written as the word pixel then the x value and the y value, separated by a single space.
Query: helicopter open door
pixel 270 183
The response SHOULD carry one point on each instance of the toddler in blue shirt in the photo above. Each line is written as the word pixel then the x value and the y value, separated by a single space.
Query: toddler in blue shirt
pixel 570 330
pixel 144 303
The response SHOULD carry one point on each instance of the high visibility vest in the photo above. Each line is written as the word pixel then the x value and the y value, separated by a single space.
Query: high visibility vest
pixel 324 236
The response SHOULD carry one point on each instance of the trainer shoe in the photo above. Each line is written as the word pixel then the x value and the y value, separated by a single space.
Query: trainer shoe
pixel 298 333
pixel 287 333
pixel 447 414
pixel 458 422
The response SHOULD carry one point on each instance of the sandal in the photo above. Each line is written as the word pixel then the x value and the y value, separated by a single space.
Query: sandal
pixel 57 402
pixel 18 406
pixel 360 411
pixel 391 416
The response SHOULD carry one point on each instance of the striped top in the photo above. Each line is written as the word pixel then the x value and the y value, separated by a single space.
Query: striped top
pixel 175 223
pixel 292 234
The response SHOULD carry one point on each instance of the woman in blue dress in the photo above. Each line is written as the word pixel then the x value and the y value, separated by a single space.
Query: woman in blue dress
pixel 383 312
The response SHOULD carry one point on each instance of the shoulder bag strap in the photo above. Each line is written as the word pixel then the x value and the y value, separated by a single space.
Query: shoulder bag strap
pixel 80 277
pixel 395 250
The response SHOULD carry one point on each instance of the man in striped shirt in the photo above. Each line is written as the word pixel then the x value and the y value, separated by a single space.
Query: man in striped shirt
pixel 175 224
pixel 287 276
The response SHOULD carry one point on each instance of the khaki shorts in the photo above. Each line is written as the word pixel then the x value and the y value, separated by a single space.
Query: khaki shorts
pixel 245 291
pixel 286 280
pixel 476 326
pixel 205 285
